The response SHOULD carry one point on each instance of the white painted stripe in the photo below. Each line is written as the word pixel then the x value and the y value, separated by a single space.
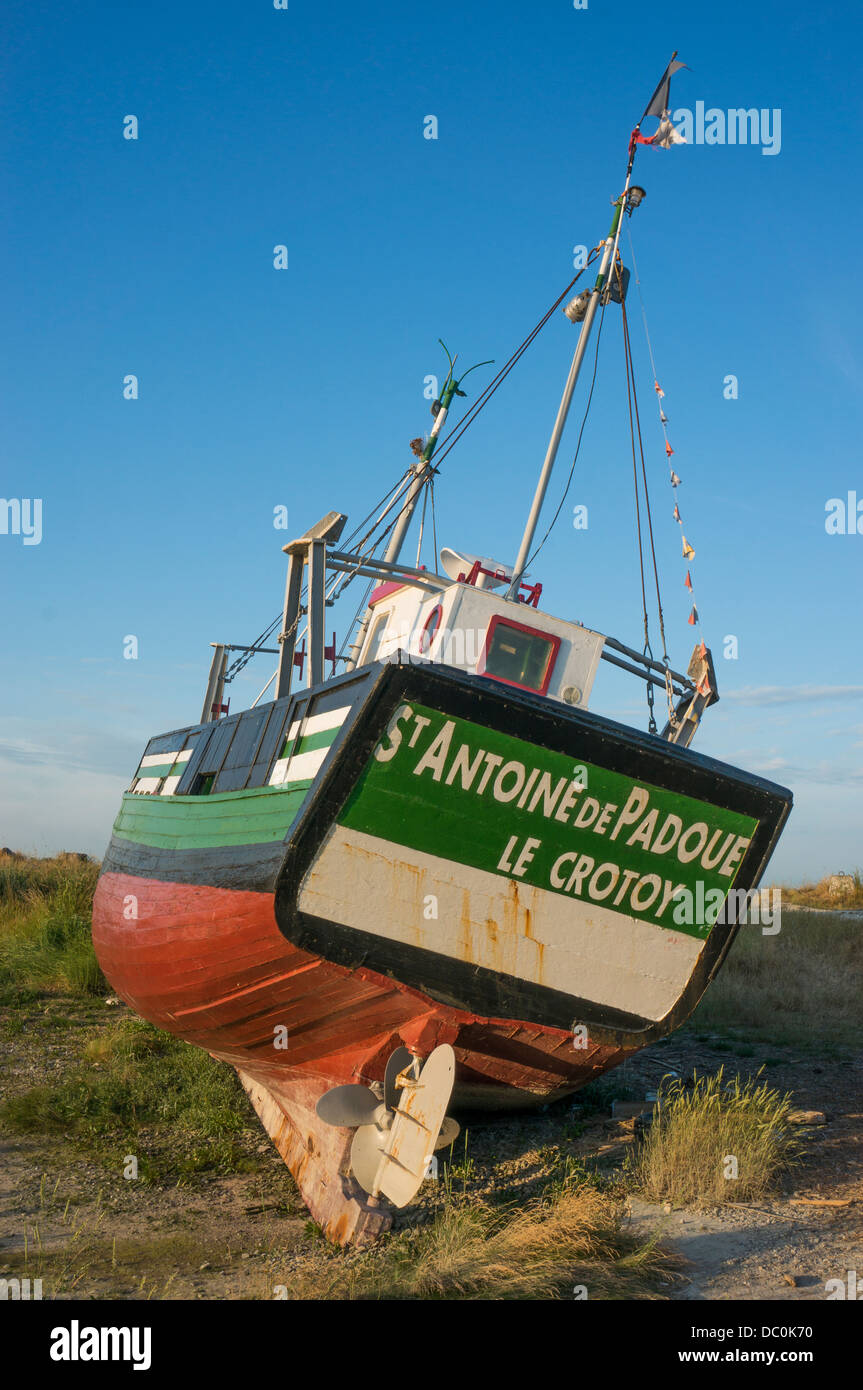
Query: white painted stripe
pixel 147 784
pixel 304 766
pixel 170 785
pixel 154 759
pixel 486 919
pixel 316 723
pixel 298 769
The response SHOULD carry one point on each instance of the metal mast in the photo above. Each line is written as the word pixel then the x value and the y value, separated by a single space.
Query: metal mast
pixel 609 250
pixel 657 106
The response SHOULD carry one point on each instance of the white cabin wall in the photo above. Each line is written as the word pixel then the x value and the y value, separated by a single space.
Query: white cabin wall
pixel 461 633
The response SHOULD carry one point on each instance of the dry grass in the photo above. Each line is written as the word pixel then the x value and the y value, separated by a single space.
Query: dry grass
pixel 472 1251
pixel 800 988
pixel 821 894
pixel 45 914
pixel 687 1155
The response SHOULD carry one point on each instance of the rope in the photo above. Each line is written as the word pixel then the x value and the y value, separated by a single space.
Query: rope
pixel 390 498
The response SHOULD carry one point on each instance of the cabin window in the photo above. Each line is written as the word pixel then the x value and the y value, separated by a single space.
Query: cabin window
pixel 197 744
pixel 519 655
pixel 203 784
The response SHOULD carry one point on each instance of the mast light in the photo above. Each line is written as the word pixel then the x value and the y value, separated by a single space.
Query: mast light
pixel 634 197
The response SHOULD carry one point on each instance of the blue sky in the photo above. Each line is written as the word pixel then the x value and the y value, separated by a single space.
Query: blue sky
pixel 303 387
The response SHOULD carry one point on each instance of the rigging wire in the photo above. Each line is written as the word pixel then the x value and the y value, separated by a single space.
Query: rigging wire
pixel 631 376
pixel 450 440
pixel 391 496
pixel 637 507
pixel 635 427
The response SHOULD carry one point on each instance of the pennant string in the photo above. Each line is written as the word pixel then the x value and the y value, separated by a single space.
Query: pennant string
pixel 693 619
pixel 635 427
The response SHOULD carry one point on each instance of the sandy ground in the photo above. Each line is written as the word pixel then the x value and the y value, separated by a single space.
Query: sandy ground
pixel 241 1236
pixel 788 1247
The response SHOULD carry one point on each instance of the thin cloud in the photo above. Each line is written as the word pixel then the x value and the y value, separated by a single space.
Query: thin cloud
pixel 82 750
pixel 825 774
pixel 791 694
pixel 27 754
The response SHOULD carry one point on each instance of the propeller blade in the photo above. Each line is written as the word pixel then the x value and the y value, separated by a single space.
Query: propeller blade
pixel 397 1062
pixel 449 1132
pixel 348 1105
pixel 366 1155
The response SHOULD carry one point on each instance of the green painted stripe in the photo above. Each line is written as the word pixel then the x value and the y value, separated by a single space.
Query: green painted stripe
pixel 403 797
pixel 323 739
pixel 157 770
pixel 258 815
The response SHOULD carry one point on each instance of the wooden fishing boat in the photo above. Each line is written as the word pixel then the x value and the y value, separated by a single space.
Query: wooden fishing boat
pixel 437 877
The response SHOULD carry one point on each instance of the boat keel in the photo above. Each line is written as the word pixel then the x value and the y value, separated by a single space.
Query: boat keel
pixel 344 1213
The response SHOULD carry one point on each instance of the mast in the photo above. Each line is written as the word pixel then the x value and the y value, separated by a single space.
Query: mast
pixel 599 286
pixel 664 137
pixel 422 471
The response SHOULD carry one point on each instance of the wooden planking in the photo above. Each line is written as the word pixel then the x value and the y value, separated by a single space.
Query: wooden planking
pixel 211 966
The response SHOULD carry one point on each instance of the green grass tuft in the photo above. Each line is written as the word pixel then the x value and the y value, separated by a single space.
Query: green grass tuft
pixel 45 914
pixel 133 1078
pixel 686 1156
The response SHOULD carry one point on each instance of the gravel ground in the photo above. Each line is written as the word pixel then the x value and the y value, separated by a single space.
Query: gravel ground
pixel 244 1234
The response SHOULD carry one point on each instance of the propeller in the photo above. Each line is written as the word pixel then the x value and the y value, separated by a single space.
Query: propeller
pixel 396 1134
pixel 356 1104
pixel 349 1105
pixel 366 1155
pixel 397 1062
pixel 449 1132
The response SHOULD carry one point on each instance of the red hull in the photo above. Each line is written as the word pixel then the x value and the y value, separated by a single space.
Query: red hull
pixel 211 966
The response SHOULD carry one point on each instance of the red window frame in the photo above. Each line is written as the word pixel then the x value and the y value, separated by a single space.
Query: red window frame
pixel 498 619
